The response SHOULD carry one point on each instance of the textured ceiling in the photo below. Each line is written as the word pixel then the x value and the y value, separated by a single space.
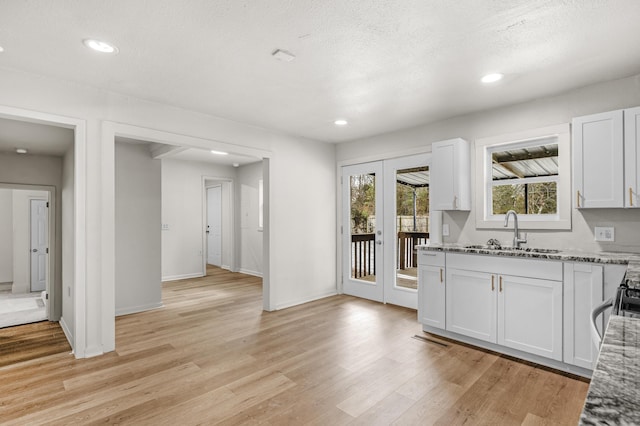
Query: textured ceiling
pixel 381 64
pixel 38 139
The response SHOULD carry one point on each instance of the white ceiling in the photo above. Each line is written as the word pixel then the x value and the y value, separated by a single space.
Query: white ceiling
pixel 38 139
pixel 381 64
pixel 192 154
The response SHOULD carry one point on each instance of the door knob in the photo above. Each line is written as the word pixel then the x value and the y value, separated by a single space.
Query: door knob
pixel 379 242
pixel 35 250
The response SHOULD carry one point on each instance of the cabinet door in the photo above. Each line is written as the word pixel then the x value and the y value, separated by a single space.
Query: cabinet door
pixel 431 291
pixel 530 315
pixel 632 157
pixel 598 160
pixel 471 303
pixel 583 291
pixel 450 179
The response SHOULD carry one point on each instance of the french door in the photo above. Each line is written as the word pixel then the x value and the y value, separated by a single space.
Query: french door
pixel 385 215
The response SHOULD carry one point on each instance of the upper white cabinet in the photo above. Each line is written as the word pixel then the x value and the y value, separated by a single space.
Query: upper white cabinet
pixel 632 157
pixel 450 181
pixel 606 159
pixel 598 160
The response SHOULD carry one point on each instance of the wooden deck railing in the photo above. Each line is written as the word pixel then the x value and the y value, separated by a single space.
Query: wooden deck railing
pixel 407 254
pixel 363 252
pixel 363 255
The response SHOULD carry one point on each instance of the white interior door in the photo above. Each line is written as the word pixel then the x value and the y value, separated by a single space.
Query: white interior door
pixel 362 230
pixel 39 244
pixel 214 226
pixel 406 213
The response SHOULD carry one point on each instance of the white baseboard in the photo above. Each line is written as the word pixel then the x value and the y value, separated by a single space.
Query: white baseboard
pixel 135 309
pixel 305 300
pixel 250 272
pixel 182 277
pixel 67 333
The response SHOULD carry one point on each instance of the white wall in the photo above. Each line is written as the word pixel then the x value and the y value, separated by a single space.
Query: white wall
pixel 182 210
pixel 68 247
pixel 542 112
pixel 250 241
pixel 302 211
pixel 40 170
pixel 22 238
pixel 138 258
pixel 6 236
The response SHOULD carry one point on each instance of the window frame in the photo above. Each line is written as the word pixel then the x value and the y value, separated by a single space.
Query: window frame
pixel 560 135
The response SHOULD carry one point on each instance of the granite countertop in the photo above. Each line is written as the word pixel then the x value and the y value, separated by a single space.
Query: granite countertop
pixel 631 259
pixel 614 392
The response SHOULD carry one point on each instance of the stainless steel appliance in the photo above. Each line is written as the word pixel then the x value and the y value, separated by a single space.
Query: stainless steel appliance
pixel 625 303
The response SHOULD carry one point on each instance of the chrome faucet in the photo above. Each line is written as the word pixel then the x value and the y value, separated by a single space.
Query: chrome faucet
pixel 516 234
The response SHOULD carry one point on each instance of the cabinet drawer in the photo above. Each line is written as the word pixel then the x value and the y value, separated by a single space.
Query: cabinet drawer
pixel 432 258
pixel 507 265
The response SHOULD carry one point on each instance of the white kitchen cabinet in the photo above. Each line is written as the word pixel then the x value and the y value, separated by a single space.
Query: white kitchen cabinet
pixel 450 175
pixel 431 289
pixel 471 304
pixel 530 315
pixel 598 160
pixel 632 157
pixel 583 291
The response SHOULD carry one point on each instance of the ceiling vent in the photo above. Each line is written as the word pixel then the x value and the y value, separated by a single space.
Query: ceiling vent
pixel 283 55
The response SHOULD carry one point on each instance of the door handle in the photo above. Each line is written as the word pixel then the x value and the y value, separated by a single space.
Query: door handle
pixel 440 274
pixel 379 242
pixel 35 250
pixel 500 283
pixel 493 286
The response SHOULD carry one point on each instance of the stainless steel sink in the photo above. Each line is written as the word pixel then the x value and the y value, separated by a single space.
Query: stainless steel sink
pixel 520 249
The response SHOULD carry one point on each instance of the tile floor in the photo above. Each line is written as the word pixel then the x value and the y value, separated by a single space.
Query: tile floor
pixel 18 309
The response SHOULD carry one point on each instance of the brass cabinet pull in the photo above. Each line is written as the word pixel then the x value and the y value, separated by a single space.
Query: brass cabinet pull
pixel 493 287
pixel 630 197
pixel 440 274
pixel 578 199
pixel 500 283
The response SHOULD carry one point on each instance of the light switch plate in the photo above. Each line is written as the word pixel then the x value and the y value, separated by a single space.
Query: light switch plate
pixel 165 226
pixel 445 230
pixel 604 233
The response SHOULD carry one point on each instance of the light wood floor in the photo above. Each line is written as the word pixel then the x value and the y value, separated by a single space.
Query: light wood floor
pixel 212 356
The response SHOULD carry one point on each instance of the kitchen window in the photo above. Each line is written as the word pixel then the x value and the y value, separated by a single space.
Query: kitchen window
pixel 528 172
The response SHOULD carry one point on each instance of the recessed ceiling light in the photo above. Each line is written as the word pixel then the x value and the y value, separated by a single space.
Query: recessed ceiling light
pixel 492 78
pixel 236 164
pixel 21 150
pixel 100 46
pixel 1 49
pixel 219 152
pixel 283 55
pixel 341 122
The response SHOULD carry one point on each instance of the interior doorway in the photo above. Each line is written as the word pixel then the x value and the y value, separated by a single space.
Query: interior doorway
pixel 219 232
pixel 214 225
pixel 26 270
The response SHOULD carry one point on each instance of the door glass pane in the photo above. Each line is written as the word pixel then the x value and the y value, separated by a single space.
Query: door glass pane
pixel 363 226
pixel 412 222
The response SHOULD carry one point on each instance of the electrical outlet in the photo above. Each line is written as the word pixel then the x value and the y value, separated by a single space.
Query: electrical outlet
pixel 445 230
pixel 604 233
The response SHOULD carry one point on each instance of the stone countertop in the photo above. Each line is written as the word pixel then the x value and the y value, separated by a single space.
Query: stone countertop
pixel 614 392
pixel 631 259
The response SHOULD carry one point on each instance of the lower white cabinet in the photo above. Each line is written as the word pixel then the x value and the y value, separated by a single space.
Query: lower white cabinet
pixel 471 304
pixel 516 312
pixel 530 315
pixel 583 291
pixel 431 289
